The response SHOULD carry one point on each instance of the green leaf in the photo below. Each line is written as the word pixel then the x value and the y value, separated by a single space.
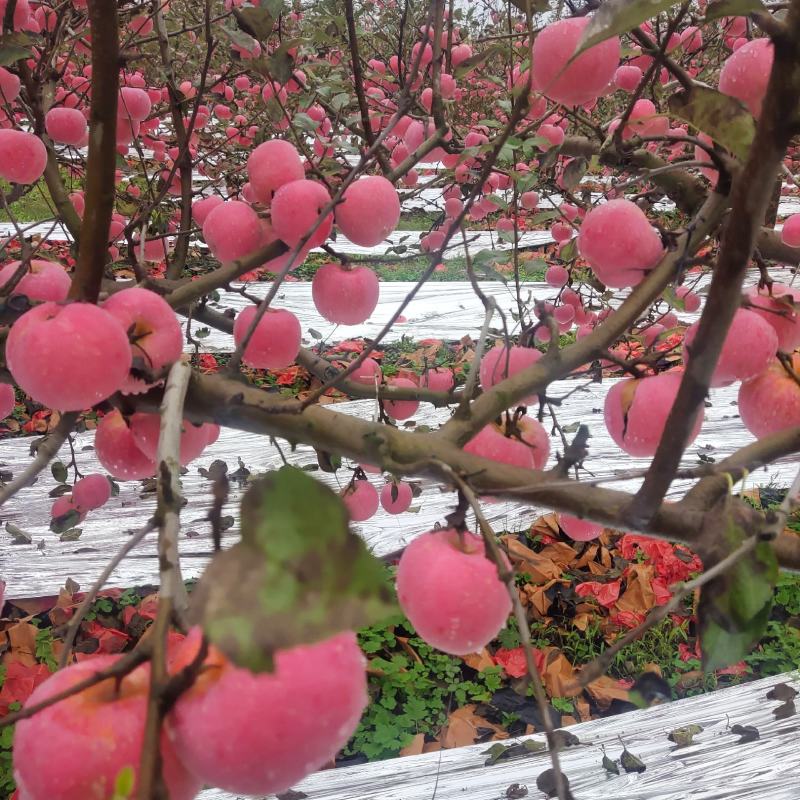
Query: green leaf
pixel 65 521
pixel 281 64
pixel 299 575
pixel 609 765
pixel 683 736
pixel 304 122
pixel 734 608
pixel 124 783
pixel 619 16
pixel 11 53
pixel 14 47
pixel 239 37
pixel 725 119
pixel 532 5
pixel 475 60
pixel 732 8
pixel 59 471
pixel 275 7
pixel 71 535
pixel 258 22
pixel 630 762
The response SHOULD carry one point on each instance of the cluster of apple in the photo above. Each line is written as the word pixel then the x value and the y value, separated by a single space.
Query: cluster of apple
pixel 89 493
pixel 71 356
pixel 368 212
pixel 249 733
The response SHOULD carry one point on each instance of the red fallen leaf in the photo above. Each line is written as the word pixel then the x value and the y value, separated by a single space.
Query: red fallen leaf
pixel 20 681
pixel 110 640
pixel 287 377
pixel 148 608
pixel 605 593
pixel 686 652
pixel 128 613
pixel 208 363
pixel 627 619
pixel 673 563
pixel 349 347
pixel 512 660
pixel 401 318
pixel 430 342
pixel 662 592
pixel 734 669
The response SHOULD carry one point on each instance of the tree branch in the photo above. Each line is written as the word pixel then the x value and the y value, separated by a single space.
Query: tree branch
pixel 102 161
pixel 750 197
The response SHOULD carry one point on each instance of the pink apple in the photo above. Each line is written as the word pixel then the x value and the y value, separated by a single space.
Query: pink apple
pixel 23 156
pixel 369 211
pixel 117 451
pixel 296 207
pixel 44 280
pixel 346 296
pixel 619 243
pixel 75 749
pixel 450 591
pixel 68 357
pixel 237 730
pixel 271 165
pixel 154 332
pixel 361 499
pixel 275 342
pixel 636 412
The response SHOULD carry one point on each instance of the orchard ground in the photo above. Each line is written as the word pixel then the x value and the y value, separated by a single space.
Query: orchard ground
pixel 421 699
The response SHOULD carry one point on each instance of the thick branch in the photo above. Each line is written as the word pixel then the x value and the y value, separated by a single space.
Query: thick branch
pixel 102 162
pixel 750 197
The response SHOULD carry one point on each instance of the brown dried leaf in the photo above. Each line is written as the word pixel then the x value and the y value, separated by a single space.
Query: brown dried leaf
pixel 604 690
pixel 524 559
pixel 558 675
pixel 415 747
pixel 21 642
pixel 560 553
pixel 479 661
pixel 464 726
pixel 639 596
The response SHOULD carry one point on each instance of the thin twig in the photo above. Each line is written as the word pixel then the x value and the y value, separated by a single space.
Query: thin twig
pixel 506 574
pixel 123 666
pixel 172 593
pixel 44 455
pixel 89 598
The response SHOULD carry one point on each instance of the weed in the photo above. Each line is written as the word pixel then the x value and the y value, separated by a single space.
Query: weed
pixel 412 689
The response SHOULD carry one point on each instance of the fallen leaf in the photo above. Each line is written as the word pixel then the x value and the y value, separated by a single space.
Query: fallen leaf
pixel 464 726
pixel 479 661
pixel 785 710
pixel 782 691
pixel 683 736
pixel 605 690
pixel 21 642
pixel 559 553
pixel 558 674
pixel 415 746
pixel 631 763
pixel 526 560
pixel 748 733
pixel 639 596
pixel 609 765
